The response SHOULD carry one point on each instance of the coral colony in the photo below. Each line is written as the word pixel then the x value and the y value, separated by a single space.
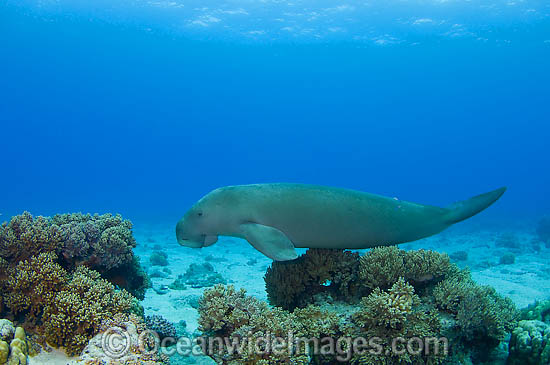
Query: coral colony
pixel 72 281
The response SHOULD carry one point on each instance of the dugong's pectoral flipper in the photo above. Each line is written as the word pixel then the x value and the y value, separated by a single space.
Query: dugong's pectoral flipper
pixel 269 241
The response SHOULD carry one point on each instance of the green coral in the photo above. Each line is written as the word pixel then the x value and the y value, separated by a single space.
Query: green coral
pixel 57 274
pixel 77 311
pixel 226 312
pixel 14 348
pixel 33 284
pixel 158 258
pixel 391 314
pixel 482 315
pixel 291 284
pixel 381 267
pixel 530 343
pixel 540 310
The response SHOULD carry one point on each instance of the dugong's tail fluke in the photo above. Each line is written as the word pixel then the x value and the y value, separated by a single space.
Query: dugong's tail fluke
pixel 465 209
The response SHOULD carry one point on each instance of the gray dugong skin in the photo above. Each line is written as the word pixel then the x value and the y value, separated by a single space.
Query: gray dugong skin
pixel 276 218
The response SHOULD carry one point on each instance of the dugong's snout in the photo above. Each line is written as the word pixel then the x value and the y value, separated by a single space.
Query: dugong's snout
pixel 185 238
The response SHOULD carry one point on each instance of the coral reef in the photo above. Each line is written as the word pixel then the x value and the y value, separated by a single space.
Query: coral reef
pixel 158 258
pixel 482 316
pixel 459 256
pixel 77 311
pixel 543 230
pixel 530 344
pixel 33 284
pixel 101 242
pixel 140 346
pixel 507 240
pixel 14 349
pixel 58 275
pixel 507 259
pixel 381 267
pixel 539 310
pixel 201 275
pixel 391 314
pixel 226 312
pixel 25 236
pixel 304 334
pixel 396 293
pixel 161 326
pixel 291 284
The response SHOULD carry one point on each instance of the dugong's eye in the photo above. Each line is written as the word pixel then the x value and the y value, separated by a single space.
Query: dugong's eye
pixel 199 214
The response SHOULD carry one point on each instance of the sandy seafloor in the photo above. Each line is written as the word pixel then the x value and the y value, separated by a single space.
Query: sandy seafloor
pixel 524 281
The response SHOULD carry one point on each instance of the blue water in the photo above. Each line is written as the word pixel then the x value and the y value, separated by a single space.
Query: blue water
pixel 143 107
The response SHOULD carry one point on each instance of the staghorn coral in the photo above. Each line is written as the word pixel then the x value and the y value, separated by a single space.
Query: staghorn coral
pixel 292 284
pixel 530 343
pixel 76 312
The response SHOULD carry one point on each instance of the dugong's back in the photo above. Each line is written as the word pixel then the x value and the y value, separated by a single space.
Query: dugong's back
pixel 325 217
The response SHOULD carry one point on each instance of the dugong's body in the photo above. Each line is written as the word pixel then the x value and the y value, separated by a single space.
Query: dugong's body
pixel 276 218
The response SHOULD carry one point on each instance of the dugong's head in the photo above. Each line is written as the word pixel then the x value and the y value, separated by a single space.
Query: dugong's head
pixel 199 227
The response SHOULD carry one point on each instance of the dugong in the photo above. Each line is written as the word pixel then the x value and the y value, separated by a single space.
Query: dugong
pixel 277 218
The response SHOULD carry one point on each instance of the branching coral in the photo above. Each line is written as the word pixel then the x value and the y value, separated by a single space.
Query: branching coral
pixel 292 284
pixel 387 309
pixel 387 315
pixel 101 242
pixel 433 300
pixel 223 309
pixel 482 315
pixel 381 267
pixel 274 335
pixel 33 284
pixel 75 314
pixel 25 236
pixel 425 265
